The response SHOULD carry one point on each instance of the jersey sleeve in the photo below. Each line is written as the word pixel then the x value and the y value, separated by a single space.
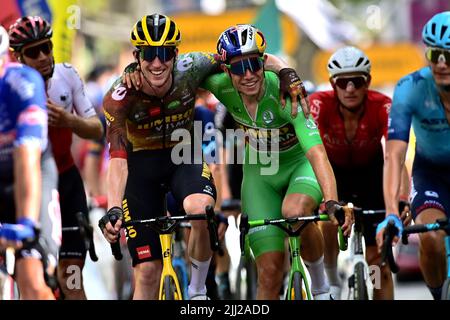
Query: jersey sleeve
pixel 83 106
pixel 383 115
pixel 213 83
pixel 202 65
pixel 115 110
pixel 26 92
pixel 305 129
pixel 400 115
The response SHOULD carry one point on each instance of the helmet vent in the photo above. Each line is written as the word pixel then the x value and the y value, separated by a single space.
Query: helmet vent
pixel 443 30
pixel 171 31
pixel 244 37
pixel 360 60
pixel 337 64
pixel 433 28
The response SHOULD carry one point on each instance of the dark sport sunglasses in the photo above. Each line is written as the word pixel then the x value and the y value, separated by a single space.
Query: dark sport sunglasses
pixel 163 53
pixel 436 55
pixel 33 52
pixel 358 81
pixel 253 64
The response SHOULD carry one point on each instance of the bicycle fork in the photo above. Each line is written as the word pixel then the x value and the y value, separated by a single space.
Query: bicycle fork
pixel 169 286
pixel 297 267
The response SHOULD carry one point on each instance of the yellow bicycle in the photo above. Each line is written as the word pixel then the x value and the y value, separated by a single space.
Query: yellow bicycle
pixel 169 288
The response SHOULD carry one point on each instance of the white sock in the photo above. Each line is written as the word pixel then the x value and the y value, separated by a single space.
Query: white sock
pixel 319 281
pixel 333 276
pixel 199 272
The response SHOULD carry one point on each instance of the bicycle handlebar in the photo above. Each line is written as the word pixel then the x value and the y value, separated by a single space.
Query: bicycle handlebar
pixel 170 222
pixel 386 254
pixel 440 224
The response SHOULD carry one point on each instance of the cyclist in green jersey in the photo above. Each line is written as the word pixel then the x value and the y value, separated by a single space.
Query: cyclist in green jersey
pixel 298 174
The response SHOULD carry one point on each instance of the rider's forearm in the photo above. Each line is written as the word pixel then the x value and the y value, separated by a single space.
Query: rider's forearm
pixel 87 128
pixel 225 187
pixel 27 182
pixel 275 64
pixel 318 158
pixel 116 181
pixel 404 184
pixel 392 174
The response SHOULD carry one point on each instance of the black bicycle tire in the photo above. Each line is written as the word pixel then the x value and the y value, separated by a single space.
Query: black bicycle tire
pixel 446 290
pixel 360 290
pixel 181 279
pixel 252 278
pixel 168 288
pixel 297 284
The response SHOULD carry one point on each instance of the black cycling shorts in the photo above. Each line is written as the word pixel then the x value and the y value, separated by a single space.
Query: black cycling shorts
pixel 144 195
pixel 72 199
pixel 430 187
pixel 364 188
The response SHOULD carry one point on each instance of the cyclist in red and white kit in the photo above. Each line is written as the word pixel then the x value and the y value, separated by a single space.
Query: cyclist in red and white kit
pixel 69 111
pixel 352 121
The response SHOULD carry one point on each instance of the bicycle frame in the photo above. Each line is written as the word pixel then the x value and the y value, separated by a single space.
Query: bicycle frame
pixel 168 271
pixel 165 227
pixel 357 254
pixel 294 245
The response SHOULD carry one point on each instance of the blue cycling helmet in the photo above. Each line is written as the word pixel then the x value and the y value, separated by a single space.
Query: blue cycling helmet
pixel 240 40
pixel 436 32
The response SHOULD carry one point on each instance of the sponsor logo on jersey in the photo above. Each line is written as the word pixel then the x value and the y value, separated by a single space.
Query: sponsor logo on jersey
pixel 310 124
pixel 33 116
pixel 131 231
pixel 430 193
pixel 108 117
pixel 174 104
pixel 268 117
pixel 143 252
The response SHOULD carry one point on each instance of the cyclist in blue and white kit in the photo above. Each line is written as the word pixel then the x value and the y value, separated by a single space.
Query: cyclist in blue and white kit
pixel 28 177
pixel 423 99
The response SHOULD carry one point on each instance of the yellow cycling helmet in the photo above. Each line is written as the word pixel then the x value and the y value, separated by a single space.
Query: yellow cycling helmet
pixel 155 30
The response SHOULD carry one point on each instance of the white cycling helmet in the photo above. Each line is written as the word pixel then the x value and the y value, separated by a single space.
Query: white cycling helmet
pixel 348 59
pixel 4 41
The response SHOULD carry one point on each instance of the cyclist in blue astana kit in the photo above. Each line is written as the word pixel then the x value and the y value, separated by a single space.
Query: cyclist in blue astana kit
pixel 29 208
pixel 423 99
pixel 304 176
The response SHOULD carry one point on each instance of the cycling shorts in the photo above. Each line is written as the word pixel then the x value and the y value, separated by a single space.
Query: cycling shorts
pixel 145 197
pixel 262 198
pixel 430 187
pixel 72 199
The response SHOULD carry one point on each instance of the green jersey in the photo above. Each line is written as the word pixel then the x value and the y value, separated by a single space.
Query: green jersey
pixel 296 136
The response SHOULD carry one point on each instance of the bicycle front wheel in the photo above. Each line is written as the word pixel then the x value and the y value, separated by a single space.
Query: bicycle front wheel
pixel 360 292
pixel 446 290
pixel 298 291
pixel 169 289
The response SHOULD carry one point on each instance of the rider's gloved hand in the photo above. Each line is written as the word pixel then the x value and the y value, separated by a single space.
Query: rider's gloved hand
pixel 13 235
pixel 331 207
pixel 292 85
pixel 132 76
pixel 382 226
pixel 111 232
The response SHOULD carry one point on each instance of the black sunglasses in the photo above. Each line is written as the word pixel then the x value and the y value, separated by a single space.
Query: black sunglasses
pixel 163 53
pixel 358 82
pixel 253 64
pixel 33 52
pixel 436 55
